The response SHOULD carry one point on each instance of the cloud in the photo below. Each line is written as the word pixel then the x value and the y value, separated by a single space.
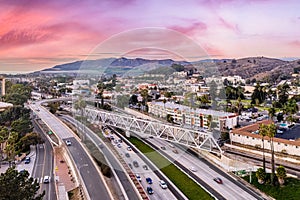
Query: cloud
pixel 295 43
pixel 191 29
pixel 229 26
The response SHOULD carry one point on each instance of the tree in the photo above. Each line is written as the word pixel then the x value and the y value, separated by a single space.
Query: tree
pixel 271 112
pixel 259 94
pixel 16 185
pixel 271 131
pixel 22 126
pixel 261 175
pixel 281 174
pixel 10 148
pixel 80 104
pixel 283 95
pixel 101 87
pixel 263 133
pixel 18 94
pixel 27 140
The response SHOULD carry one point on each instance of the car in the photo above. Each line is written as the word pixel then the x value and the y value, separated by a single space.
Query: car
pixel 175 151
pixel 279 131
pixel 119 145
pixel 127 155
pixel 129 148
pixel 218 180
pixel 138 177
pixel 171 145
pixel 145 167
pixel 68 143
pixel 163 148
pixel 120 140
pixel 151 137
pixel 193 169
pixel 135 163
pixel 46 179
pixel 149 180
pixel 27 160
pixel 163 184
pixel 150 190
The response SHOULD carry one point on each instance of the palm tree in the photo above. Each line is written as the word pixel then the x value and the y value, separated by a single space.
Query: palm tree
pixel 80 104
pixel 281 174
pixel 263 133
pixel 261 175
pixel 271 131
pixel 272 112
pixel 101 87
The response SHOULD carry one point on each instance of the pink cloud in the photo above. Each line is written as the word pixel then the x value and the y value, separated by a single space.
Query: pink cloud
pixel 295 43
pixel 191 29
pixel 230 26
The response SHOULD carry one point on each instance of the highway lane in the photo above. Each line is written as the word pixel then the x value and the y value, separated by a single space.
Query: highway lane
pixel 130 191
pixel 44 165
pixel 94 183
pixel 205 172
pixel 159 193
pixel 88 172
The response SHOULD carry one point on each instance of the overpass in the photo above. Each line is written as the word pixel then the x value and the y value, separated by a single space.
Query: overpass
pixel 203 140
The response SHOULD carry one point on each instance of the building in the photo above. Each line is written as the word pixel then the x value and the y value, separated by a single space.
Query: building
pixel 4 106
pixel 248 135
pixel 196 118
pixel 235 80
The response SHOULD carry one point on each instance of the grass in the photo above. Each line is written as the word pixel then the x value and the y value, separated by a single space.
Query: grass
pixel 187 186
pixel 290 190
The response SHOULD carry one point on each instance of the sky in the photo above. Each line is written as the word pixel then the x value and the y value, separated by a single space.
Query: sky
pixel 38 34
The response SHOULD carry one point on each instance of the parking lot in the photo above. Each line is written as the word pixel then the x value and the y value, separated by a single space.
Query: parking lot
pixel 290 134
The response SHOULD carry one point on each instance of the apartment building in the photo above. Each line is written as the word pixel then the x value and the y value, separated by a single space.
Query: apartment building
pixel 196 118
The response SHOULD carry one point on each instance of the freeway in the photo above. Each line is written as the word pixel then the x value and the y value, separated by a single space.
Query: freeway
pixel 44 165
pixel 130 191
pixel 230 189
pixel 143 171
pixel 93 182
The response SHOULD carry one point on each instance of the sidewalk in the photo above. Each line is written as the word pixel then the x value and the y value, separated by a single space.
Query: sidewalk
pixel 64 176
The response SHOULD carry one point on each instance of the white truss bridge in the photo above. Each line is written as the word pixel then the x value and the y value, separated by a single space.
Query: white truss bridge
pixel 144 128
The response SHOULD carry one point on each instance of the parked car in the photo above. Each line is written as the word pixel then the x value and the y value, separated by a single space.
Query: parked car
pixel 127 155
pixel 119 145
pixel 150 190
pixel 218 180
pixel 27 160
pixel 68 143
pixel 135 163
pixel 163 148
pixel 46 179
pixel 138 177
pixel 163 184
pixel 149 180
pixel 129 148
pixel 175 151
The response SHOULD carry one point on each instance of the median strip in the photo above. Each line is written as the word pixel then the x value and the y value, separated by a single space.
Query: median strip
pixel 191 189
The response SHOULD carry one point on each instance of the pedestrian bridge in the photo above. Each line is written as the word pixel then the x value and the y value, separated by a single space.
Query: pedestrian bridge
pixel 202 140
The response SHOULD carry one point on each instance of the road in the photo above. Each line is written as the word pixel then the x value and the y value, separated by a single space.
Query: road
pixel 44 165
pixel 230 189
pixel 92 180
pixel 130 191
pixel 159 193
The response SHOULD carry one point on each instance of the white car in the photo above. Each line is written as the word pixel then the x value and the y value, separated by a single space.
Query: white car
pixel 68 143
pixel 46 179
pixel 163 184
pixel 138 177
pixel 193 169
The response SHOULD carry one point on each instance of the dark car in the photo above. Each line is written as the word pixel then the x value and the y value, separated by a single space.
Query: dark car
pixel 218 180
pixel 145 167
pixel 127 155
pixel 149 180
pixel 135 163
pixel 150 190
pixel 27 160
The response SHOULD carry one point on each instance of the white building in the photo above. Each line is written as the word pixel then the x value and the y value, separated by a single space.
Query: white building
pixel 248 136
pixel 234 79
pixel 196 118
